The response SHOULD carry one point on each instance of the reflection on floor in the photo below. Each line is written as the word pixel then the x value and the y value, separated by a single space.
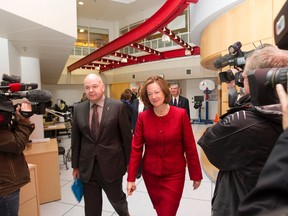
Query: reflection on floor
pixel 193 203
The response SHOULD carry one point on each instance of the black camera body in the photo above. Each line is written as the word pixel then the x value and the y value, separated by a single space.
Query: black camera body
pixel 228 76
pixel 11 89
pixel 198 101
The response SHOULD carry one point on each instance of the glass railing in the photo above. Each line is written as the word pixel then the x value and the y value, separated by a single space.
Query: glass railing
pixel 154 44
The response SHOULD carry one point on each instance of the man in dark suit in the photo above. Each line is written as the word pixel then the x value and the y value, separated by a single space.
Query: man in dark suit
pixel 177 99
pixel 100 160
pixel 134 93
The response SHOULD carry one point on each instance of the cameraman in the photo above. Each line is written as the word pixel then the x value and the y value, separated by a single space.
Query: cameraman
pixel 270 194
pixel 240 143
pixel 14 172
pixel 233 94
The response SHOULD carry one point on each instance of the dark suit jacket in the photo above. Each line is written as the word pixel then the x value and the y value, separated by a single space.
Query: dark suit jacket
pixel 183 102
pixel 112 146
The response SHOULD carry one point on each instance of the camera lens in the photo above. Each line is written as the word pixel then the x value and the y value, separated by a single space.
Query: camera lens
pixel 277 76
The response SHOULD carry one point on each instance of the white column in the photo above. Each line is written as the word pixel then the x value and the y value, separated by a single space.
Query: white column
pixel 4 66
pixel 30 72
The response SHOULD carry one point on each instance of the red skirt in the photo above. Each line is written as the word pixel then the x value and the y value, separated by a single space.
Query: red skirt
pixel 165 192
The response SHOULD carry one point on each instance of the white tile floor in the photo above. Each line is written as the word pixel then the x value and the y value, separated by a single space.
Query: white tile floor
pixel 193 203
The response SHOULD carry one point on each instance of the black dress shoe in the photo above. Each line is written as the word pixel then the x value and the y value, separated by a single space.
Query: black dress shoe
pixel 138 175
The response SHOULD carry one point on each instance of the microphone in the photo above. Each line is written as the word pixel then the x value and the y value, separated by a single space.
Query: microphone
pixel 237 61
pixel 39 95
pixel 33 95
pixel 223 61
pixel 14 87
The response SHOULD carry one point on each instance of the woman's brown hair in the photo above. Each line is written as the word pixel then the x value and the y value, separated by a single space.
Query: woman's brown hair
pixel 163 85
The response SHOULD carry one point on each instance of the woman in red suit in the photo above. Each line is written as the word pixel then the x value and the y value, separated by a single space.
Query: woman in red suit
pixel 169 145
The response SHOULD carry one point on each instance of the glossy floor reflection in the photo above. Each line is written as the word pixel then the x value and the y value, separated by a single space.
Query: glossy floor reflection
pixel 193 203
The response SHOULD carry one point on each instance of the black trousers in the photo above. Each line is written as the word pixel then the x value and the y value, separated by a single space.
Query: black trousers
pixel 93 194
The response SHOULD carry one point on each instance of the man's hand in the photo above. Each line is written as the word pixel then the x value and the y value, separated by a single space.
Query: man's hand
pixel 25 106
pixel 75 173
pixel 283 97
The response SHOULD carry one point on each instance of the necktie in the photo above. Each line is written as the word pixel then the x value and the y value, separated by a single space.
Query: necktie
pixel 95 121
pixel 175 102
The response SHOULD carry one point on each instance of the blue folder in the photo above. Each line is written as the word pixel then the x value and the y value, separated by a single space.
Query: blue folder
pixel 77 189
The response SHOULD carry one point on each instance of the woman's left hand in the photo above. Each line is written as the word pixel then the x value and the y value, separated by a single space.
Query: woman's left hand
pixel 196 184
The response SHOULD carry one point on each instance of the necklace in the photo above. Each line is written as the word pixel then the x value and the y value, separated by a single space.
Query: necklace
pixel 162 112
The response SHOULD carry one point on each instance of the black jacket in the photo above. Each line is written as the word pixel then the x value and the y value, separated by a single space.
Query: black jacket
pixel 111 148
pixel 271 191
pixel 183 102
pixel 239 145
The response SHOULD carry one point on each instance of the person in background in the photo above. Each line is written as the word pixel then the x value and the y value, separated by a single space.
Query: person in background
pixel 240 143
pixel 269 197
pixel 126 99
pixel 177 99
pixel 167 135
pixel 101 144
pixel 84 97
pixel 14 171
pixel 134 92
pixel 61 106
pixel 138 107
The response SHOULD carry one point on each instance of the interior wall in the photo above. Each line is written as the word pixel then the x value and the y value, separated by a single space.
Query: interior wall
pixel 117 89
pixel 69 93
pixel 253 28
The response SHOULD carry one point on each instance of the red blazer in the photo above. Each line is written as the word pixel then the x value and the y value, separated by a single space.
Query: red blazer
pixel 169 145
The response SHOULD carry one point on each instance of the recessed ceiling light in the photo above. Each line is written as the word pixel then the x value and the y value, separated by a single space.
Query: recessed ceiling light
pixel 124 1
pixel 81 3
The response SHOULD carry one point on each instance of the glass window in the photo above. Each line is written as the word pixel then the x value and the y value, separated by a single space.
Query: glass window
pixel 90 39
pixel 98 37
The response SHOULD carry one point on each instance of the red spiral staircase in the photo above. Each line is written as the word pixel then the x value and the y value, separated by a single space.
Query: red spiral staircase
pixel 156 23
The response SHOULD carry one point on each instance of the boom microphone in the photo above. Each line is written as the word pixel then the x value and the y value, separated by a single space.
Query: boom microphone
pixel 39 95
pixel 14 87
pixel 33 95
pixel 223 61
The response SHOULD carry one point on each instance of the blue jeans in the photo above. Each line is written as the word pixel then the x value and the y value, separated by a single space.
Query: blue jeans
pixel 9 205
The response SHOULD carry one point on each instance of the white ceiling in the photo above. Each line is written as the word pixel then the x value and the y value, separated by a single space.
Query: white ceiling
pixel 53 48
pixel 114 11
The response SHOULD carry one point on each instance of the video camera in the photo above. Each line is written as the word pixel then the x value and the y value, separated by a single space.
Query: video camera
pixel 236 57
pixel 12 89
pixel 262 82
pixel 228 76
pixel 198 101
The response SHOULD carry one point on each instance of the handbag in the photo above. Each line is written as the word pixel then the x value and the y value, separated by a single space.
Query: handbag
pixel 77 189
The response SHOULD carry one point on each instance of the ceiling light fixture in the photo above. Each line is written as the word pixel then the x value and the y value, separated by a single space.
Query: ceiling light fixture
pixel 124 60
pixel 124 1
pixel 81 3
pixel 165 38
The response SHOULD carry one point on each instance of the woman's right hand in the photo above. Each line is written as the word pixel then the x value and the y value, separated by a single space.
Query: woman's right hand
pixel 131 186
